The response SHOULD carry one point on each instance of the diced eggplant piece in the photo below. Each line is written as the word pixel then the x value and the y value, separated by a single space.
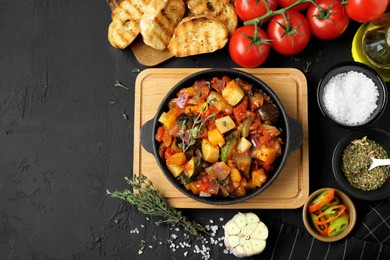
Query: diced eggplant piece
pixel 269 113
pixel 243 163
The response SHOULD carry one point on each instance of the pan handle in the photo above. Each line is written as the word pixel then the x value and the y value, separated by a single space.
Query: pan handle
pixel 296 134
pixel 146 136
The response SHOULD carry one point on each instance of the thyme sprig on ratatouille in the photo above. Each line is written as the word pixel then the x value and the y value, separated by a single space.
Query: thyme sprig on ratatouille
pixel 188 139
pixel 149 201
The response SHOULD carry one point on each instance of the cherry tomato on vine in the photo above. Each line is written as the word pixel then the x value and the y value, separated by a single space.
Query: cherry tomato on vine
pixel 250 9
pixel 291 38
pixel 300 7
pixel 328 22
pixel 248 50
pixel 366 10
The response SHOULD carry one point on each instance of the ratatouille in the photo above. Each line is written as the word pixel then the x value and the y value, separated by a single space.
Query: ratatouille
pixel 219 137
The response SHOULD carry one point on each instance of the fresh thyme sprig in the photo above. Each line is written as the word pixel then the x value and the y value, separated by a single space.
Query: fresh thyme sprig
pixel 120 85
pixel 194 131
pixel 149 201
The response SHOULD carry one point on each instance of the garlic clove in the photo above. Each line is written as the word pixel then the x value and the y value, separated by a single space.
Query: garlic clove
pixel 231 228
pixel 240 220
pixel 248 248
pixel 249 229
pixel 252 218
pixel 258 245
pixel 233 241
pixel 261 232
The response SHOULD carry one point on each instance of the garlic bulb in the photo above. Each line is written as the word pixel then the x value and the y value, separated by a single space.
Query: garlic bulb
pixel 245 235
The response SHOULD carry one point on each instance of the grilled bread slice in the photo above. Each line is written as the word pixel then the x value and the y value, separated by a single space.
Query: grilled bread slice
pixel 197 35
pixel 124 27
pixel 221 9
pixel 159 22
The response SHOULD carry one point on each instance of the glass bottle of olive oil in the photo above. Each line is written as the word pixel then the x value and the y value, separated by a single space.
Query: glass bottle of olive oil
pixel 376 42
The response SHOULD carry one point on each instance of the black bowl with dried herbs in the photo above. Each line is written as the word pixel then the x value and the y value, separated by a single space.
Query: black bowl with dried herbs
pixel 351 160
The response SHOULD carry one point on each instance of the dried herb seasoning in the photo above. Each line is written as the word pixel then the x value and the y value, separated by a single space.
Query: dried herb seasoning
pixel 356 161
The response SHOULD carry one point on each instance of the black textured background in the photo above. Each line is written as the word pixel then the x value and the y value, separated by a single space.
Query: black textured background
pixel 66 136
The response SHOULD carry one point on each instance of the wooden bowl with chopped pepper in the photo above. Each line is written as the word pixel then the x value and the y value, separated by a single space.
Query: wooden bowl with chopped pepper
pixel 329 215
pixel 351 162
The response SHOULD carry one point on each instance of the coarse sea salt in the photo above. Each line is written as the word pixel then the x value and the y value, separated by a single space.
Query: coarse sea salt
pixel 350 98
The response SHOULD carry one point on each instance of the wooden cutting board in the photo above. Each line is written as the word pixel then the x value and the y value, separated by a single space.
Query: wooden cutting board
pixel 148 56
pixel 291 188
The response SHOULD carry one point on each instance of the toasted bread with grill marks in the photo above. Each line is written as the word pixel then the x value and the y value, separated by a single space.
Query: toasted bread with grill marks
pixel 197 35
pixel 159 22
pixel 221 9
pixel 124 27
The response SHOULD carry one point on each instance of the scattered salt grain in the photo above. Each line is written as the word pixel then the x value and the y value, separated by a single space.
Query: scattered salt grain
pixel 134 231
pixel 350 97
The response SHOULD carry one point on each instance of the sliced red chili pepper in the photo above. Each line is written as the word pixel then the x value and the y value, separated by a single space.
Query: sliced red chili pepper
pixel 321 200
pixel 322 229
pixel 330 214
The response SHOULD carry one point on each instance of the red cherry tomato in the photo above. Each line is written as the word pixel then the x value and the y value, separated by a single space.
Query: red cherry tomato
pixel 292 39
pixel 300 7
pixel 247 51
pixel 250 9
pixel 366 10
pixel 328 22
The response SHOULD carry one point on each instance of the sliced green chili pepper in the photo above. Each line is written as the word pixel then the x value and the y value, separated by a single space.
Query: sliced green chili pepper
pixel 321 200
pixel 338 226
pixel 330 214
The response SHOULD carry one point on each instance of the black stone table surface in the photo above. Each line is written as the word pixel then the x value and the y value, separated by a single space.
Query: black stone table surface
pixel 66 135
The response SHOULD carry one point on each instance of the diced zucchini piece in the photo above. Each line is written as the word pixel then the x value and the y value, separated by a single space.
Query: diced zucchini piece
pixel 210 152
pixel 243 145
pixel 233 93
pixel 194 167
pixel 225 124
pixel 228 149
pixel 217 101
pixel 246 126
pixel 162 118
pixel 176 170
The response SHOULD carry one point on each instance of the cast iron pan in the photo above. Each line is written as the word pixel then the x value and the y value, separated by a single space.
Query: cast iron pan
pixel 292 133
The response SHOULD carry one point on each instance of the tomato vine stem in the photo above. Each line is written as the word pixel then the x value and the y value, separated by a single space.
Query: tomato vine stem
pixel 271 13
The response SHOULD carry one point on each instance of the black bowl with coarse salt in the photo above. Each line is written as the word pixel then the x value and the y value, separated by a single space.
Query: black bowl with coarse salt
pixel 352 105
